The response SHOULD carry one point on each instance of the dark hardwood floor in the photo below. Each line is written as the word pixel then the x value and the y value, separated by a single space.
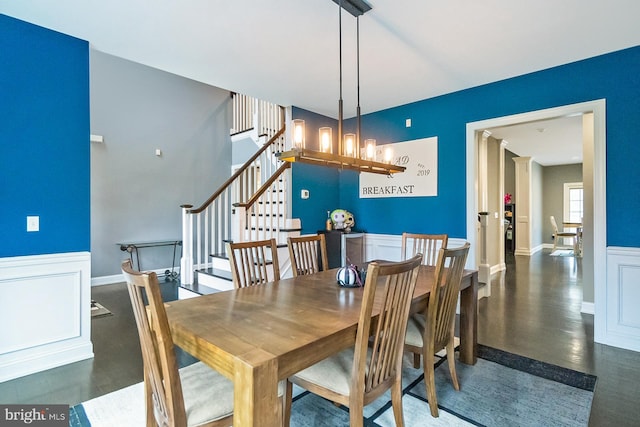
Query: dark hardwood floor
pixel 534 311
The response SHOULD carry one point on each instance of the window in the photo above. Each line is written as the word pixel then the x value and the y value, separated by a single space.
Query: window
pixel 573 206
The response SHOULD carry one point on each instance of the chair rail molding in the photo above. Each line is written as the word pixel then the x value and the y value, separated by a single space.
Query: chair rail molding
pixel 45 311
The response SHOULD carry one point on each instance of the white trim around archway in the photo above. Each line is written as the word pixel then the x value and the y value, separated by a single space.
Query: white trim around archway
pixel 598 108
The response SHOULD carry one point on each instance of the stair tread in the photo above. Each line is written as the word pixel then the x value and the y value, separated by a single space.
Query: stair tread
pixel 221 256
pixel 275 229
pixel 216 272
pixel 199 289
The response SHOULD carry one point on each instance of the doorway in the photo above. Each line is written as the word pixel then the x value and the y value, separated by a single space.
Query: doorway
pixel 595 191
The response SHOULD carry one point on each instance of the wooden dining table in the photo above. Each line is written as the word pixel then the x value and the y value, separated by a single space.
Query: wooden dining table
pixel 259 335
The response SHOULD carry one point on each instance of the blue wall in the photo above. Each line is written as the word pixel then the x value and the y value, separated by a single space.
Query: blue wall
pixel 326 185
pixel 615 77
pixel 44 140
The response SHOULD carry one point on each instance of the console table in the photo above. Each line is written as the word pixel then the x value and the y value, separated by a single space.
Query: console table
pixel 132 247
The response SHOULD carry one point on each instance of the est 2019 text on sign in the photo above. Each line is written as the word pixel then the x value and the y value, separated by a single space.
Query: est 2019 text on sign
pixel 420 179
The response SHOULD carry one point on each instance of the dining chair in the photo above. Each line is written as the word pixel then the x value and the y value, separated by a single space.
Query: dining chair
pixel 202 396
pixel 307 253
pixel 557 235
pixel 430 332
pixel 358 375
pixel 426 244
pixel 253 263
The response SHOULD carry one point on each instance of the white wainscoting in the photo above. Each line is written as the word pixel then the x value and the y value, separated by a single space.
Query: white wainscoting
pixel 45 312
pixel 389 247
pixel 623 298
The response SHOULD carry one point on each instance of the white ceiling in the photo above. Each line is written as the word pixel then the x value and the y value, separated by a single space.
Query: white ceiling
pixel 286 51
pixel 550 142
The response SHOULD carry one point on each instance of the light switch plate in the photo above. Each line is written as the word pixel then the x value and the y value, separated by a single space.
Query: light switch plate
pixel 33 223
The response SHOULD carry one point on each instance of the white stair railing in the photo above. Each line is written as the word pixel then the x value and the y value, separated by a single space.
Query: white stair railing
pixel 249 113
pixel 243 113
pixel 206 229
pixel 264 215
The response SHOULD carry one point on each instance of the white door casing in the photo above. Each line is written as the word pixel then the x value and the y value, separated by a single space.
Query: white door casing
pixel 598 108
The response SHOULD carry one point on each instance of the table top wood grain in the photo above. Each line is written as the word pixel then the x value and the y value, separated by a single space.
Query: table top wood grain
pixel 261 334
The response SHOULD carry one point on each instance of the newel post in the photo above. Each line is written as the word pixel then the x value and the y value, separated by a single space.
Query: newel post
pixel 186 262
pixel 239 224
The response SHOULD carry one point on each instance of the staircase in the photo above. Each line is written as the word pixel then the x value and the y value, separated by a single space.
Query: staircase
pixel 251 205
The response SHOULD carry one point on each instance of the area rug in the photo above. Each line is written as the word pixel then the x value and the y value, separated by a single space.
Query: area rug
pixel 562 252
pixel 502 389
pixel 98 310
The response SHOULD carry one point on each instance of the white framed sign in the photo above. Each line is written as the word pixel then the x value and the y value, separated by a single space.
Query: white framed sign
pixel 420 179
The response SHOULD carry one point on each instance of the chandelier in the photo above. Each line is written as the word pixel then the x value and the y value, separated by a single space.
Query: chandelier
pixel 350 154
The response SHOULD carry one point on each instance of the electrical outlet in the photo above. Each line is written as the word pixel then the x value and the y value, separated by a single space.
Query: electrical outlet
pixel 33 223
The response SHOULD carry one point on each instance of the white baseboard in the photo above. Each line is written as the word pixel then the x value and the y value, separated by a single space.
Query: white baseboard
pixel 588 308
pixel 537 249
pixel 498 268
pixel 119 278
pixel 484 291
pixel 107 280
pixel 531 251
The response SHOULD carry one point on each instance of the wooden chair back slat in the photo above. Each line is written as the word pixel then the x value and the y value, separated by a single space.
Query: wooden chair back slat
pixel 160 366
pixel 439 324
pixel 441 312
pixel 253 263
pixel 386 342
pixel 426 244
pixel 308 254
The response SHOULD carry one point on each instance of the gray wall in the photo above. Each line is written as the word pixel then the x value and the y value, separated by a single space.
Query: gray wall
pixel 537 191
pixel 510 174
pixel 136 195
pixel 242 150
pixel 554 178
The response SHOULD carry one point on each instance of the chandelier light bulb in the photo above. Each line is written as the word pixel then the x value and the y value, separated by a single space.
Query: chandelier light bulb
pixel 298 133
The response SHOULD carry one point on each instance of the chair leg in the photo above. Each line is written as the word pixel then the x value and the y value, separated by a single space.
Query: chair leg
pixel 356 417
pixel 430 382
pixel 396 402
pixel 287 404
pixel 555 242
pixel 416 360
pixel 451 359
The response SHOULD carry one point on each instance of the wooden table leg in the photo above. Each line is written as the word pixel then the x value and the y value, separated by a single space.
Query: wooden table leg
pixel 469 322
pixel 256 394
